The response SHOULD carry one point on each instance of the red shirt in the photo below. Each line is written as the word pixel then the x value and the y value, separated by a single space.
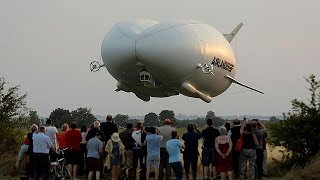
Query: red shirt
pixel 73 139
pixel 26 140
pixel 61 137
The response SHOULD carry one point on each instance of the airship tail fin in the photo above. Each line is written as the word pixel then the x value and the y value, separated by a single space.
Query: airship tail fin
pixel 233 33
pixel 241 84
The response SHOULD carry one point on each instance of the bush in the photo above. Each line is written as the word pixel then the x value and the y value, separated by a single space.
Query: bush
pixel 300 132
pixel 11 139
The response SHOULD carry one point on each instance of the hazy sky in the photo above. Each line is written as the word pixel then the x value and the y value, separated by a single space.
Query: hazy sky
pixel 46 48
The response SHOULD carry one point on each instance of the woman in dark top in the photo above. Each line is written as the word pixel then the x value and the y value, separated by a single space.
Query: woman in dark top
pixel 248 152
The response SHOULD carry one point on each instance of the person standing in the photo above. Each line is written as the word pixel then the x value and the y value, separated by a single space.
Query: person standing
pixel 265 155
pixel 52 132
pixel 191 153
pixel 94 130
pixel 34 129
pixel 153 141
pixel 108 128
pixel 61 136
pixel 248 151
pixel 128 141
pixel 95 151
pixel 83 148
pixel 208 150
pixel 115 150
pixel 24 149
pixel 73 156
pixel 259 130
pixel 223 145
pixel 41 146
pixel 139 137
pixel 173 147
pixel 165 131
pixel 235 135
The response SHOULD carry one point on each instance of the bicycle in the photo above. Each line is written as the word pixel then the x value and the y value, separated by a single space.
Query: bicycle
pixel 58 170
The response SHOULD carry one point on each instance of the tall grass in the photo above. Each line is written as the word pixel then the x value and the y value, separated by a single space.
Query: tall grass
pixel 310 171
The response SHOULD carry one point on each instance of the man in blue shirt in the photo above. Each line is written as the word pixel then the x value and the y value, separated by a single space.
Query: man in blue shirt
pixel 153 141
pixel 41 146
pixel 95 151
pixel 173 148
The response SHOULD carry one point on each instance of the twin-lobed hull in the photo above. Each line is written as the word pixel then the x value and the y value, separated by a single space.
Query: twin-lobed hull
pixel 180 56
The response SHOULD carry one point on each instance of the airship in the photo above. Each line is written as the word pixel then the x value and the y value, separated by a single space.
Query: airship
pixel 166 58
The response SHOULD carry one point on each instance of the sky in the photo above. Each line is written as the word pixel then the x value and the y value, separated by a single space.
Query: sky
pixel 46 48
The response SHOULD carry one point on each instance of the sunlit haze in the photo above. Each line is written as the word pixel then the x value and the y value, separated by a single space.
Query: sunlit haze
pixel 46 48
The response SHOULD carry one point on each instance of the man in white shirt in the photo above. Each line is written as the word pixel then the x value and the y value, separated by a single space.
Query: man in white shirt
pixel 52 132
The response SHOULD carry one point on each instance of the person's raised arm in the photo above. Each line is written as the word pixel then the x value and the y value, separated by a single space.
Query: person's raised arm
pixel 181 145
pixel 256 142
pixel 243 125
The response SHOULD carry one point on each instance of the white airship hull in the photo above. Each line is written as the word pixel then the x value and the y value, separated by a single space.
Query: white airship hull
pixel 161 59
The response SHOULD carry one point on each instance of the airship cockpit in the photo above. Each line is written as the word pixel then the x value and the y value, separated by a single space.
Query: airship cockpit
pixel 146 78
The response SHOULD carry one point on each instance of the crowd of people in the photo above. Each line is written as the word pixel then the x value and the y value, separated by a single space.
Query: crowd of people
pixel 141 152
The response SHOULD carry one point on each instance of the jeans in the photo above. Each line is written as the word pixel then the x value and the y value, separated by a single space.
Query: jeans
pixel 164 163
pixel 191 158
pixel 41 165
pixel 259 153
pixel 248 154
pixel 138 157
pixel 177 169
pixel 235 162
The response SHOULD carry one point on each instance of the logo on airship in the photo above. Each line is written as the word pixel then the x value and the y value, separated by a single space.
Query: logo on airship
pixel 220 63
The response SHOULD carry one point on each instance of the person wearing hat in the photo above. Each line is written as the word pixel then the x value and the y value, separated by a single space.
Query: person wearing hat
pixel 165 131
pixel 115 150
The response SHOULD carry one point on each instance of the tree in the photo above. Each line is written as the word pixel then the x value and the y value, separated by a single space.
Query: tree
pixel 167 114
pixel 11 102
pixel 12 109
pixel 210 115
pixel 34 117
pixel 151 119
pixel 273 118
pixel 121 120
pixel 217 121
pixel 60 116
pixel 300 132
pixel 83 116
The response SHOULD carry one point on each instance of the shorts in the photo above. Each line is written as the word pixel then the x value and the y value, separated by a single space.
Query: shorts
pixel 153 161
pixel 23 152
pixel 164 157
pixel 208 156
pixel 73 157
pixel 93 164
